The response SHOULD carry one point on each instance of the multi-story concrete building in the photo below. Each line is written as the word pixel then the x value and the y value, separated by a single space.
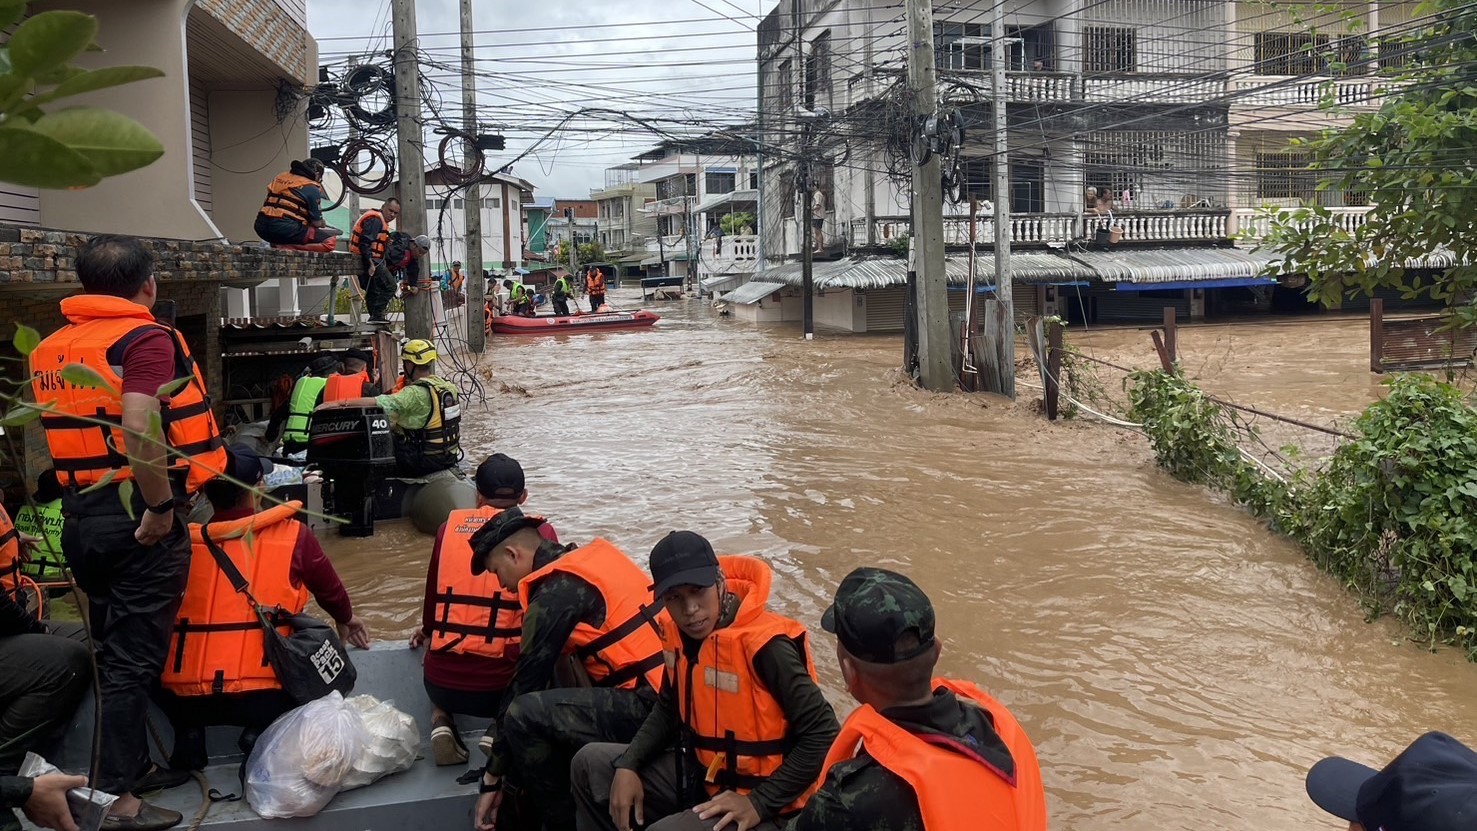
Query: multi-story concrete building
pixel 577 218
pixel 503 196
pixel 1177 114
pixel 626 221
pixel 699 182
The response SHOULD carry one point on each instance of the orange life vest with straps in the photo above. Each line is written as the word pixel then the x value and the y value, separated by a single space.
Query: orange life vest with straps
pixel 10 556
pixel 628 645
pixel 956 792
pixel 82 452
pixel 284 201
pixel 473 615
pixel 736 726
pixel 376 245
pixel 343 387
pixel 595 282
pixel 217 645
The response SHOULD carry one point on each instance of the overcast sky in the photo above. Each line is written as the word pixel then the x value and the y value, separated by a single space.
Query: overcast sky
pixel 547 58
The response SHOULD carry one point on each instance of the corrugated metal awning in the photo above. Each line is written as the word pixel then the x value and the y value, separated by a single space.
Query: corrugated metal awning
pixel 1173 265
pixel 751 293
pixel 1234 282
pixel 881 272
pixel 732 198
pixel 724 282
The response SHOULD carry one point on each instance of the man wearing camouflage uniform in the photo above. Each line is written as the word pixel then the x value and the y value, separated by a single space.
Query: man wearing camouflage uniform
pixel 584 616
pixel 919 753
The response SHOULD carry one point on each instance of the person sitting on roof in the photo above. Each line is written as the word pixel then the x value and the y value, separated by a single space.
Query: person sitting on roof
pixel 292 214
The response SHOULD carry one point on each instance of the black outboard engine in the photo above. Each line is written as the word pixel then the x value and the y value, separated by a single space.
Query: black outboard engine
pixel 354 449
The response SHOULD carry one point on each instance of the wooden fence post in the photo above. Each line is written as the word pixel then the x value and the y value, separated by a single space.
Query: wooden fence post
pixel 1377 335
pixel 1053 369
pixel 1171 335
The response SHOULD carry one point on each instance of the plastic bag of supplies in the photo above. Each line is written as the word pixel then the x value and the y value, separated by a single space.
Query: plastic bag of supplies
pixel 392 741
pixel 304 758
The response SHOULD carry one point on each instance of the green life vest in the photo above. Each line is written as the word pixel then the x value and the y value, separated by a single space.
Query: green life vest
pixel 561 286
pixel 437 446
pixel 518 293
pixel 305 397
pixel 45 523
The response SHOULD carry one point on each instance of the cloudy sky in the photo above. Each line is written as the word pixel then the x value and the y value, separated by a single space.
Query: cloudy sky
pixel 685 64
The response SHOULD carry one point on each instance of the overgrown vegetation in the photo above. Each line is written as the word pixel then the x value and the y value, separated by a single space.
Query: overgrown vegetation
pixel 1391 513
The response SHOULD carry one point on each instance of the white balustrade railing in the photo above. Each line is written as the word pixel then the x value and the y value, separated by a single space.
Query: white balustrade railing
pixel 1253 223
pixel 1293 91
pixel 1151 89
pixel 1163 226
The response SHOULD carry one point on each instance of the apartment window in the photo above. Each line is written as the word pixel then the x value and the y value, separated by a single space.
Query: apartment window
pixel 977 173
pixel 787 195
pixel 1285 176
pixel 1109 49
pixel 618 211
pixel 1397 53
pixel 434 204
pixel 458 204
pixel 1027 185
pixel 716 183
pixel 785 84
pixel 818 72
pixel 961 46
pixel 493 203
pixel 1302 53
pixel 753 180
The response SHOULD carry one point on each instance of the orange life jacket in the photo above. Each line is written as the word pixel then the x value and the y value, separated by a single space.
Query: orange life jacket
pixel 955 792
pixel 376 245
pixel 100 330
pixel 628 645
pixel 342 387
pixel 284 199
pixel 10 556
pixel 473 615
pixel 595 283
pixel 737 727
pixel 217 645
pixel 399 384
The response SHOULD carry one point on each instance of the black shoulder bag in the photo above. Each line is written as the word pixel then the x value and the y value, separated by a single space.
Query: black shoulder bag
pixel 311 662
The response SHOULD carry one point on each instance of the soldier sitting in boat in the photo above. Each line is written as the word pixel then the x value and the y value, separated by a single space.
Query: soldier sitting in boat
pixel 216 672
pixel 470 624
pixel 588 608
pixel 520 299
pixel 741 732
pixel 425 414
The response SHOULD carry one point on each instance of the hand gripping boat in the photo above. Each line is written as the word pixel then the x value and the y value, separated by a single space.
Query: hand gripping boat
pixel 567 324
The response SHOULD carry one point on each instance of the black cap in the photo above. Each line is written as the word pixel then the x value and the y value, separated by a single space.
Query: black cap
pixel 244 464
pixel 323 365
pixel 1430 786
pixel 499 477
pixel 495 531
pixel 682 558
pixel 358 355
pixel 873 608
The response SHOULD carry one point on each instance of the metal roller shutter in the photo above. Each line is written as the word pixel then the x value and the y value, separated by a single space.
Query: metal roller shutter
pixel 885 309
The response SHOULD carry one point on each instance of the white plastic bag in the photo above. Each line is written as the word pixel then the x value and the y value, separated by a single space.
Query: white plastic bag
pixel 303 759
pixel 392 741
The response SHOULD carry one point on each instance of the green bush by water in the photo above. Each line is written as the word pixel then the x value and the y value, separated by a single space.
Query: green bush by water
pixel 1391 513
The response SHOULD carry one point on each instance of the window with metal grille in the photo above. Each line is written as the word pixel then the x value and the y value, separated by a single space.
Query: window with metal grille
pixel 818 72
pixel 1109 49
pixel 1304 53
pixel 1285 176
pixel 458 204
pixel 961 46
pixel 785 84
pixel 717 183
pixel 493 203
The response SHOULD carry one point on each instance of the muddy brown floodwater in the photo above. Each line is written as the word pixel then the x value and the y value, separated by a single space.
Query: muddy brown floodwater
pixel 1177 665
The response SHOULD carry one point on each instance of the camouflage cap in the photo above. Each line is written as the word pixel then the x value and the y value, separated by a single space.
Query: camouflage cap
pixel 873 608
pixel 497 530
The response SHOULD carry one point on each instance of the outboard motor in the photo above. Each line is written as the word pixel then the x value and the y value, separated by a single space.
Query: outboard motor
pixel 355 450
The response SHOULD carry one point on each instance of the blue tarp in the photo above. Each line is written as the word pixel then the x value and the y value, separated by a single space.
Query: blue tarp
pixel 1235 282
pixel 978 289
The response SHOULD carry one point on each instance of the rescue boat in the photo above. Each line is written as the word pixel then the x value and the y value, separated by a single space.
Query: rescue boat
pixel 565 324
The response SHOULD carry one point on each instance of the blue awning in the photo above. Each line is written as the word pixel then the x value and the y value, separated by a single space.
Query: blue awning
pixel 1230 283
pixel 978 289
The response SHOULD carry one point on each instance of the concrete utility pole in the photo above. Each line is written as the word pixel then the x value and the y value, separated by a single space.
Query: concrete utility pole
pixel 472 263
pixel 1004 344
pixel 807 247
pixel 418 318
pixel 574 248
pixel 928 210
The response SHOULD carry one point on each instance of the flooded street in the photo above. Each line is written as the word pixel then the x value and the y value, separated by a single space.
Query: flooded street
pixel 1177 665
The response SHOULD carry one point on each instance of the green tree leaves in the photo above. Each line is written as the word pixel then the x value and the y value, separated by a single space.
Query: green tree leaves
pixel 74 147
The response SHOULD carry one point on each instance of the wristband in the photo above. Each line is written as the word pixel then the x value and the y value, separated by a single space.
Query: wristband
pixel 483 787
pixel 167 506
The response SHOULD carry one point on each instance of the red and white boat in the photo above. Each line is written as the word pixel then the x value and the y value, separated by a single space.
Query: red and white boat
pixel 566 324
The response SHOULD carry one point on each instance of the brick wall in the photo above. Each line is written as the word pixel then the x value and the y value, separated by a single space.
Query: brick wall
pixel 36 271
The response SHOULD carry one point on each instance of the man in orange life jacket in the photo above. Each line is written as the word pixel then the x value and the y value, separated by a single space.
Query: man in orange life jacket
pixel 131 560
pixel 353 379
pixel 367 242
pixel 934 755
pixel 739 703
pixel 218 675
pixel 471 624
pixel 292 213
pixel 589 604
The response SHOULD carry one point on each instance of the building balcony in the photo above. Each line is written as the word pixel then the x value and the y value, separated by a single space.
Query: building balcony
pixel 1307 92
pixel 1152 89
pixel 674 206
pixel 730 255
pixel 1252 224
pixel 1059 228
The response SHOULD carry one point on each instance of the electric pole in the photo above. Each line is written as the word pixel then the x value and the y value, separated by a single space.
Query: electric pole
pixel 573 245
pixel 807 247
pixel 472 263
pixel 1004 344
pixel 418 320
pixel 928 210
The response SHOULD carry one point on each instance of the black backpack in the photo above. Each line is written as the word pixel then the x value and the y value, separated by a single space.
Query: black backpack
pixel 397 250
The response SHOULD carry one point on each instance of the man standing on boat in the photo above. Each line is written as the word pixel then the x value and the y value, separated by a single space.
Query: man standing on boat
pixel 126 488
pixel 563 291
pixel 470 624
pixel 595 288
pixel 918 753
pixel 587 612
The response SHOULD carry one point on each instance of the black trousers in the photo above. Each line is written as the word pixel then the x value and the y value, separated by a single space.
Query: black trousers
pixel 284 231
pixel 44 678
pixel 596 301
pixel 134 592
pixel 561 305
pixel 190 715
pixel 462 702
pixel 379 290
pixel 545 729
